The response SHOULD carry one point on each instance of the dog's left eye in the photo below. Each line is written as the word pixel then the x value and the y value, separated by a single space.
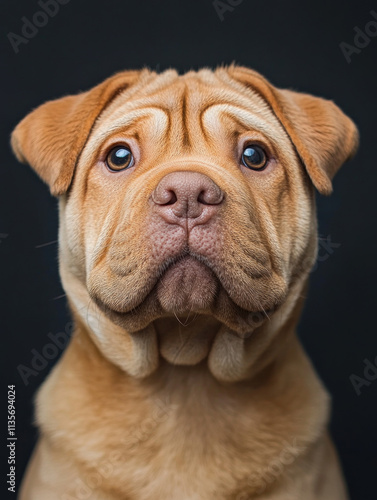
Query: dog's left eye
pixel 254 157
pixel 119 158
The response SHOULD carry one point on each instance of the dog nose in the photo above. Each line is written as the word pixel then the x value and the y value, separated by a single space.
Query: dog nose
pixel 187 196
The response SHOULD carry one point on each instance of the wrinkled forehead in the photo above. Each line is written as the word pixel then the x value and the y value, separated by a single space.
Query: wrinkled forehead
pixel 187 110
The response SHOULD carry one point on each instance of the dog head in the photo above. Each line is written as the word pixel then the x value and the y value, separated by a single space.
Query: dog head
pixel 185 195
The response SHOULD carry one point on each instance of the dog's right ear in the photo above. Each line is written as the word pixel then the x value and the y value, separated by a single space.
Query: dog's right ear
pixel 51 138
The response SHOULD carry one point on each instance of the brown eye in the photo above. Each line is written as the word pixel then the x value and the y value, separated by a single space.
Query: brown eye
pixel 119 158
pixel 254 157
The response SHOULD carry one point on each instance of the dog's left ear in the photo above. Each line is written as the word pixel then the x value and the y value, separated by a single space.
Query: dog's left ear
pixel 324 137
pixel 52 136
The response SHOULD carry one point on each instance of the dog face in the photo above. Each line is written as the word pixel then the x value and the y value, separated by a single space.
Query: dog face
pixel 184 194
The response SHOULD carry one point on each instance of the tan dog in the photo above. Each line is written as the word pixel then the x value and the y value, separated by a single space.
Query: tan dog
pixel 187 232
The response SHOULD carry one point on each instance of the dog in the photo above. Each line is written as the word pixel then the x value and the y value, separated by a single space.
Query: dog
pixel 187 233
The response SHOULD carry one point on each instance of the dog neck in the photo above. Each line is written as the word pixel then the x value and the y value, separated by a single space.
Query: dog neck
pixel 228 411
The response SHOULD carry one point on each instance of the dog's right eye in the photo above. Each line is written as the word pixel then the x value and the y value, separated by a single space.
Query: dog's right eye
pixel 119 158
pixel 254 157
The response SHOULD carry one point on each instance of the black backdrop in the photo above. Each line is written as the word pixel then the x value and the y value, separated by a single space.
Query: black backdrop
pixel 295 44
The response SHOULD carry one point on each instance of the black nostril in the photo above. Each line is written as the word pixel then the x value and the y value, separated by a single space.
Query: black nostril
pixel 201 198
pixel 173 198
pixel 164 197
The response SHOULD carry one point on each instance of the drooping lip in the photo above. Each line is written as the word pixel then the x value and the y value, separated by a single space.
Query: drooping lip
pixel 237 275
pixel 148 309
pixel 163 269
pixel 187 285
pixel 241 323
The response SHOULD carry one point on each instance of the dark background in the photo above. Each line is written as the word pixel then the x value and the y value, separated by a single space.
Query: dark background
pixel 294 45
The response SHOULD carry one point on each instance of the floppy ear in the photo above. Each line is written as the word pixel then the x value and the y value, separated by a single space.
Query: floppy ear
pixel 324 137
pixel 52 136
